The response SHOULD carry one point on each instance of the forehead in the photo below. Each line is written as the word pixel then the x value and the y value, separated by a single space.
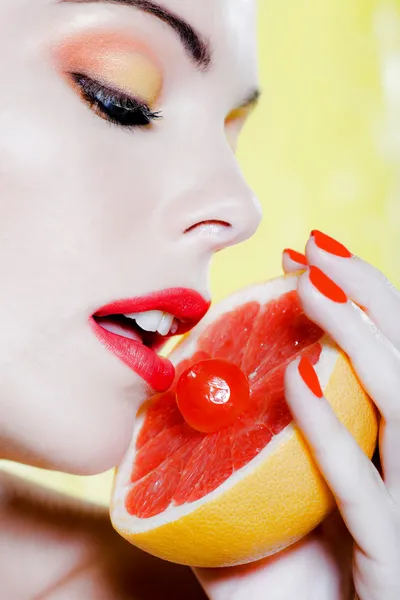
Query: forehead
pixel 215 14
pixel 229 26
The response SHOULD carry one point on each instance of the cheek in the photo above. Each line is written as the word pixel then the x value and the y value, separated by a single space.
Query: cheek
pixel 50 198
pixel 51 161
pixel 77 198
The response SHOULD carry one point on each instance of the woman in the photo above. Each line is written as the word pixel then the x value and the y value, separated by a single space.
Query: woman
pixel 118 121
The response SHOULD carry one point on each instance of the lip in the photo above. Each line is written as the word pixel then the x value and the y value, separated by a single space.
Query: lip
pixel 185 304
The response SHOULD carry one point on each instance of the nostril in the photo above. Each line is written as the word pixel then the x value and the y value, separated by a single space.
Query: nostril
pixel 212 225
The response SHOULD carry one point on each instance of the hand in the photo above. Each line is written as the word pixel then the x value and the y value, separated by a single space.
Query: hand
pixel 361 543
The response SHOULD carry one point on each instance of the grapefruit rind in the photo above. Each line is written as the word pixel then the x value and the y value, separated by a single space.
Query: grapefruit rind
pixel 270 508
pixel 271 502
pixel 132 523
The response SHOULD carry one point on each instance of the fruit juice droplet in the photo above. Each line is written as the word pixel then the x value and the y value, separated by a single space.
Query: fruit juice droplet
pixel 212 394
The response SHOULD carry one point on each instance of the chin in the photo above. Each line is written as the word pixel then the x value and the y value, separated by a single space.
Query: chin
pixel 91 459
pixel 83 439
pixel 97 448
pixel 74 410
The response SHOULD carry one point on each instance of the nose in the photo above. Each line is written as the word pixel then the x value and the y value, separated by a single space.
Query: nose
pixel 212 206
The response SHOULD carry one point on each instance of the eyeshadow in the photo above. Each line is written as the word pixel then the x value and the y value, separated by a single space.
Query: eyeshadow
pixel 113 59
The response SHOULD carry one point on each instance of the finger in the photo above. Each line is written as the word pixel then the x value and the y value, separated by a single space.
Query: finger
pixel 359 491
pixel 389 450
pixel 309 562
pixel 293 261
pixel 363 283
pixel 374 358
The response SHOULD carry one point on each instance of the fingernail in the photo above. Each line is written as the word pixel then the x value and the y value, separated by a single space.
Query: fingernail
pixel 310 377
pixel 327 243
pixel 296 256
pixel 326 286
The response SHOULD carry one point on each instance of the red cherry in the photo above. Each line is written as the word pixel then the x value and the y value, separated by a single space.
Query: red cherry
pixel 211 394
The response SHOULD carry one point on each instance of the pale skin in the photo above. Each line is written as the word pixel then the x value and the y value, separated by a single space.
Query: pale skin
pixel 92 212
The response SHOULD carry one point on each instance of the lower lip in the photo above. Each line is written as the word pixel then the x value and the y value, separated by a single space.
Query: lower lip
pixel 157 371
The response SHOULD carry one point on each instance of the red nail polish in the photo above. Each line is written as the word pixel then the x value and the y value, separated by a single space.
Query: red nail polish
pixel 326 286
pixel 296 256
pixel 310 377
pixel 327 243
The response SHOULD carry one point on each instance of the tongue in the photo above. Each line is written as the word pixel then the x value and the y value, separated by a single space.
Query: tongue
pixel 125 330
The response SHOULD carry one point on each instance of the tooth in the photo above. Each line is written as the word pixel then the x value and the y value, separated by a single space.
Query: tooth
pixel 132 316
pixel 166 324
pixel 174 327
pixel 149 320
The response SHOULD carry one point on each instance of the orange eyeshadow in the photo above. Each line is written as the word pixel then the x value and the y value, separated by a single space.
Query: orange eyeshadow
pixel 115 60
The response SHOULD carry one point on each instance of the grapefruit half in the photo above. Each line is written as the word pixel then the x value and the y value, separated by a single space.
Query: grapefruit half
pixel 251 489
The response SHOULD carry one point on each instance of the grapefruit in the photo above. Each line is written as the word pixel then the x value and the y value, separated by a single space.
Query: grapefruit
pixel 250 489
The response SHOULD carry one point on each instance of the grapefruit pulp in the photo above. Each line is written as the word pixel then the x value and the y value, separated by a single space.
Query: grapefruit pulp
pixel 250 489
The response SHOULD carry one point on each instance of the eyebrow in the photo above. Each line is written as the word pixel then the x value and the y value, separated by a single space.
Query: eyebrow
pixel 197 47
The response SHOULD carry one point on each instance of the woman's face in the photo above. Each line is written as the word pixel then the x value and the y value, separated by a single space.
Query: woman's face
pixel 102 201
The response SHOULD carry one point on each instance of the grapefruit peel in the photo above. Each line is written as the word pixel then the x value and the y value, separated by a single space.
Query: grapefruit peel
pixel 272 501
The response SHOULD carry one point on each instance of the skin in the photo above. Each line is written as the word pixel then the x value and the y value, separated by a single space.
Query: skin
pixel 92 213
pixel 96 216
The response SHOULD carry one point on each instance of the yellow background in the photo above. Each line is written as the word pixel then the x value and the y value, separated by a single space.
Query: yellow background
pixel 322 151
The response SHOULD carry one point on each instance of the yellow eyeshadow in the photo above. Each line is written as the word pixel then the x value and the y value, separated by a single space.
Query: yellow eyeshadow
pixel 131 73
pixel 114 60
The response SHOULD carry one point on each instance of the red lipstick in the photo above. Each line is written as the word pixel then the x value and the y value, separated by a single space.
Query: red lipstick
pixel 186 305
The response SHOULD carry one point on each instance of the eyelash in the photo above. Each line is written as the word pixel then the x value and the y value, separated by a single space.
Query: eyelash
pixel 132 113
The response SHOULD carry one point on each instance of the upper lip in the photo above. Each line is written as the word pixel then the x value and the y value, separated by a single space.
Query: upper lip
pixel 187 305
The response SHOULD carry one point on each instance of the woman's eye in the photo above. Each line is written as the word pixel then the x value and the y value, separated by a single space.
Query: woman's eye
pixel 114 106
